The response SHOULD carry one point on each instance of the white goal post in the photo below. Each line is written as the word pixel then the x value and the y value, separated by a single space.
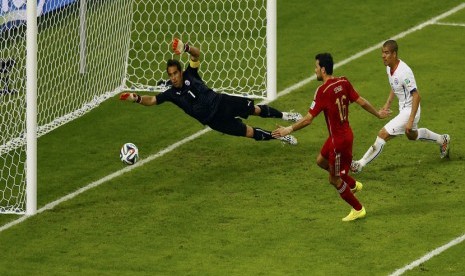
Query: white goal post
pixel 90 50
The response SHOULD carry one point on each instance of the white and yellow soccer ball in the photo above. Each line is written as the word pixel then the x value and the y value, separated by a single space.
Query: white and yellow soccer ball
pixel 129 154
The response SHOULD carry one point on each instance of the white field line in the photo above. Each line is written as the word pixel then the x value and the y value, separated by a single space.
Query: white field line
pixel 109 177
pixel 280 94
pixel 428 256
pixel 450 24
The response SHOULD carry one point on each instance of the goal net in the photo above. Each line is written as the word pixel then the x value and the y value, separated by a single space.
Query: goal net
pixel 89 51
pixel 231 35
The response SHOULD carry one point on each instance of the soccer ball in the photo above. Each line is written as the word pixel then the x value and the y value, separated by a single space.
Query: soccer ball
pixel 129 154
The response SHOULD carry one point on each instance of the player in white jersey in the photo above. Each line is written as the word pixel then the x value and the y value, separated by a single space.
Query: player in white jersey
pixel 403 85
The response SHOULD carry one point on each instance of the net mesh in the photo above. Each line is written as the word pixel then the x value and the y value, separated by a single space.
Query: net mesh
pixel 126 44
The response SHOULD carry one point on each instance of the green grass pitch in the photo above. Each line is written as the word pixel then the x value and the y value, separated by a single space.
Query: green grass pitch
pixel 222 205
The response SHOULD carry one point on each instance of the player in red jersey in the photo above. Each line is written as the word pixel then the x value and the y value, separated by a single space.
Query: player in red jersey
pixel 333 98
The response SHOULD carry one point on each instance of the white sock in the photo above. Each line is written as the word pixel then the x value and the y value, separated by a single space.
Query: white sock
pixel 373 151
pixel 425 134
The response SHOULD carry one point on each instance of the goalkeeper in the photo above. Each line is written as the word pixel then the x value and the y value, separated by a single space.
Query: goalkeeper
pixel 220 112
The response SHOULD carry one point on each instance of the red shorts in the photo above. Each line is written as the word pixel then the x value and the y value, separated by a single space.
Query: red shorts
pixel 339 159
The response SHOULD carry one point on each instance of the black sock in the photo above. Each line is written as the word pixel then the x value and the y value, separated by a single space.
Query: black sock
pixel 261 135
pixel 269 112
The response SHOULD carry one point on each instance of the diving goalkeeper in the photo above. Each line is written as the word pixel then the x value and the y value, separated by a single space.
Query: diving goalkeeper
pixel 220 112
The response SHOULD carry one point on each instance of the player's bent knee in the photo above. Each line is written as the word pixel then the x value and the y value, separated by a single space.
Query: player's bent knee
pixel 383 134
pixel 322 162
pixel 249 133
pixel 257 110
pixel 334 180
pixel 412 135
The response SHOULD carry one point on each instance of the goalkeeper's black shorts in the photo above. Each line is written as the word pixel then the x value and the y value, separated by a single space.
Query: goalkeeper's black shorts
pixel 226 119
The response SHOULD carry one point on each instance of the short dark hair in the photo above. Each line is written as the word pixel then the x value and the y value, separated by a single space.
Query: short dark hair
pixel 392 45
pixel 326 61
pixel 173 62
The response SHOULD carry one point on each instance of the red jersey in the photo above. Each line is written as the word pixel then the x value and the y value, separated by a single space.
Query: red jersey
pixel 333 98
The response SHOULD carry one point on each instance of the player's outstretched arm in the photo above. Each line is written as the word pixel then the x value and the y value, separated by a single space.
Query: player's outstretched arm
pixel 283 131
pixel 180 47
pixel 136 98
pixel 415 105
pixel 195 53
pixel 383 113
pixel 387 105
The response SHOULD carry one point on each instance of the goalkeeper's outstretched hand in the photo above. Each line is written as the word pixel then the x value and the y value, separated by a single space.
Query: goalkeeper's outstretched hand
pixel 179 47
pixel 131 97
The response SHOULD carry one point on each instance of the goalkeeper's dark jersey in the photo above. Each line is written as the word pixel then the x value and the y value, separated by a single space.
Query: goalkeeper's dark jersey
pixel 194 97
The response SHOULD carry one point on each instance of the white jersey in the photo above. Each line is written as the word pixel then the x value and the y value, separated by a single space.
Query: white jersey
pixel 402 84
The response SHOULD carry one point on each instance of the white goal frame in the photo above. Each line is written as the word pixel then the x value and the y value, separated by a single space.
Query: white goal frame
pixel 31 108
pixel 33 130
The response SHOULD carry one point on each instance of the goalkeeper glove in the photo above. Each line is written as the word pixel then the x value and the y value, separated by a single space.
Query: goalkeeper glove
pixel 132 97
pixel 179 47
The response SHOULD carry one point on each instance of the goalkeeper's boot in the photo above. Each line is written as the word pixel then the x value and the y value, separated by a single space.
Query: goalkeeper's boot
pixel 292 116
pixel 356 166
pixel 444 148
pixel 288 139
pixel 354 214
pixel 358 187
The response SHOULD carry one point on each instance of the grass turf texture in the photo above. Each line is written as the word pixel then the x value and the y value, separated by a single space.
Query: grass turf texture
pixel 226 205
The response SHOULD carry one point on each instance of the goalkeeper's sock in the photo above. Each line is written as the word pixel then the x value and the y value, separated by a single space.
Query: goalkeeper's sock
pixel 373 151
pixel 269 112
pixel 261 135
pixel 348 196
pixel 425 134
